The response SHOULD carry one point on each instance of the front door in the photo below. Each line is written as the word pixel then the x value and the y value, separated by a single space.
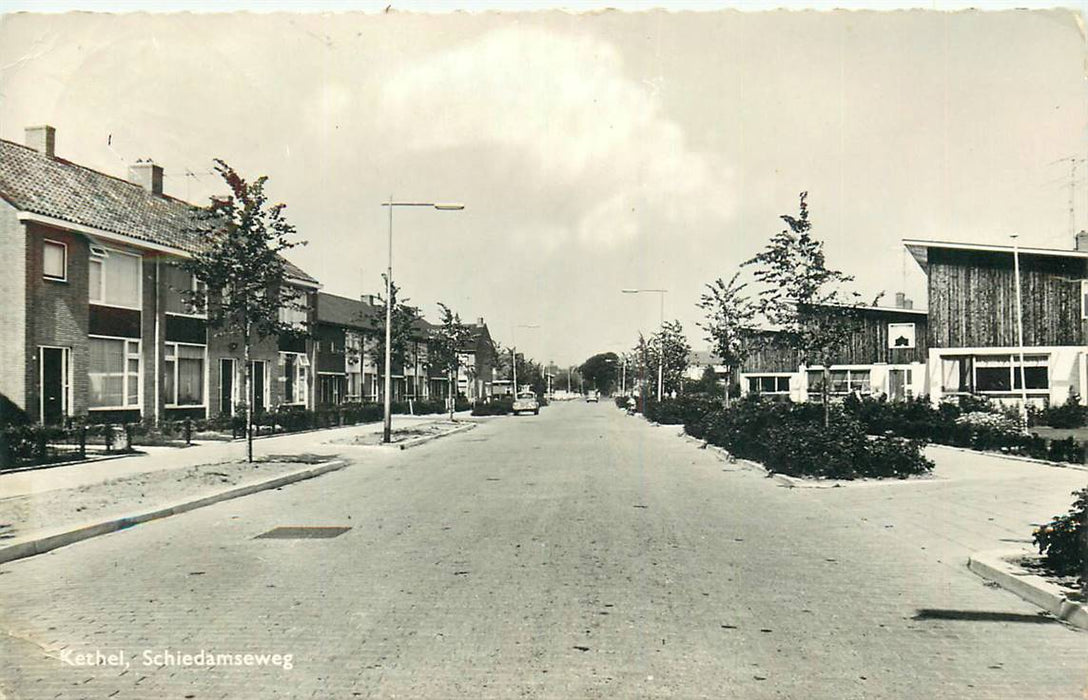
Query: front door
pixel 54 385
pixel 226 386
pixel 256 396
pixel 899 381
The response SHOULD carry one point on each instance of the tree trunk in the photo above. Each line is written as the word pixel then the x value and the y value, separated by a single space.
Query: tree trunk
pixel 248 397
pixel 826 391
pixel 453 391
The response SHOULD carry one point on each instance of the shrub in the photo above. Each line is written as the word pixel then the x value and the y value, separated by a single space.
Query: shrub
pixel 1071 414
pixel 791 439
pixel 1059 541
pixel 494 407
pixel 621 402
pixel 681 410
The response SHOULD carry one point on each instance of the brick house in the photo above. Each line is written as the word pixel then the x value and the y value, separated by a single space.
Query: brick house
pixel 349 370
pixel 973 334
pixel 885 356
pixel 95 324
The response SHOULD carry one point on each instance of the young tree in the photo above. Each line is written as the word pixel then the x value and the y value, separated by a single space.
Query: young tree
pixel 730 322
pixel 401 330
pixel 669 347
pixel 448 342
pixel 243 271
pixel 805 299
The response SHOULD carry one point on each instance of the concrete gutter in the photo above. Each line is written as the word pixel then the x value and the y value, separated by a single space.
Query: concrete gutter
pixel 1000 568
pixel 47 540
pixel 414 442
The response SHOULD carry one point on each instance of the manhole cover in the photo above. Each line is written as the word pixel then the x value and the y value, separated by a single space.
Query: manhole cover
pixel 302 533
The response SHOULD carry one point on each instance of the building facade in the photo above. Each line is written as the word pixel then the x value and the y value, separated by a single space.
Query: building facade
pixel 95 324
pixel 886 355
pixel 974 334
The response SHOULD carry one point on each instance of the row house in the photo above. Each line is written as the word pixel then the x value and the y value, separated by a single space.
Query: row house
pixel 886 355
pixel 974 343
pixel 346 337
pixel 95 323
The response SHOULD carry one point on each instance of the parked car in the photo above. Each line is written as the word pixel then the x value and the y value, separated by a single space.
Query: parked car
pixel 594 396
pixel 525 402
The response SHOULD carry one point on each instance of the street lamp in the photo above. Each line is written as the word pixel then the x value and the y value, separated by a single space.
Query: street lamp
pixel 514 350
pixel 387 430
pixel 660 339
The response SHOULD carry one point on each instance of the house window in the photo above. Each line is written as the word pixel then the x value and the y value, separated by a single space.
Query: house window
pixel 768 384
pixel 294 377
pixel 1001 373
pixel 841 381
pixel 901 335
pixel 114 278
pixel 292 314
pixel 114 373
pixel 54 261
pixel 183 382
pixel 175 282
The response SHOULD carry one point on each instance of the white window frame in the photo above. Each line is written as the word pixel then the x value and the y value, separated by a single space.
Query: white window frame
pixel 892 333
pixel 98 255
pixel 167 403
pixel 46 242
pixel 776 376
pixel 301 379
pixel 139 376
pixel 194 286
pixel 1031 359
pixel 849 369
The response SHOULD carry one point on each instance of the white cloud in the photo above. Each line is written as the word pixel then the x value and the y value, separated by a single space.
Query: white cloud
pixel 563 109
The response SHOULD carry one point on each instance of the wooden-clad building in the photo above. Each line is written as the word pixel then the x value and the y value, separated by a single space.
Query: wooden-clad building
pixel 972 337
pixel 885 356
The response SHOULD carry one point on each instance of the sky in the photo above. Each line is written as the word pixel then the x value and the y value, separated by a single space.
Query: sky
pixel 593 151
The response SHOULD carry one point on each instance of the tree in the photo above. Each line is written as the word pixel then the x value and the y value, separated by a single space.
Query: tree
pixel 601 371
pixel 401 330
pixel 730 322
pixel 805 299
pixel 241 266
pixel 672 345
pixel 448 342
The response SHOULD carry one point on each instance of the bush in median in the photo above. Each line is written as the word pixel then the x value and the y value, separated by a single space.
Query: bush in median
pixel 1060 541
pixel 791 439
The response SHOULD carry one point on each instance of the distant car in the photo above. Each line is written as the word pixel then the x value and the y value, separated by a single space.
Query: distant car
pixel 525 402
pixel 593 396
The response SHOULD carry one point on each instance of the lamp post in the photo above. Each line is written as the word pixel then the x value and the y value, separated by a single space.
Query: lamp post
pixel 387 430
pixel 660 339
pixel 1020 333
pixel 514 351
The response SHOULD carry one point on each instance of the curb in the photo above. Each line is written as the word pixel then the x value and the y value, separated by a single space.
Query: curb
pixel 49 540
pixel 995 566
pixel 414 442
pixel 1017 458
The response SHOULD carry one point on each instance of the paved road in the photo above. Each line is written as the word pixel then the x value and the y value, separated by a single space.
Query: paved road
pixel 579 553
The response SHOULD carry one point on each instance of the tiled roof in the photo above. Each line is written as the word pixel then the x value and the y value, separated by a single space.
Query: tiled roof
pixel 344 311
pixel 33 182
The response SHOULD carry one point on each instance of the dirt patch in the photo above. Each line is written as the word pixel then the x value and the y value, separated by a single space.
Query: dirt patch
pixel 23 515
pixel 401 434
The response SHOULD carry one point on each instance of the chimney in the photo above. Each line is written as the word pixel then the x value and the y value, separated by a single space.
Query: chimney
pixel 480 321
pixel 147 175
pixel 1082 242
pixel 42 139
pixel 900 300
pixel 908 303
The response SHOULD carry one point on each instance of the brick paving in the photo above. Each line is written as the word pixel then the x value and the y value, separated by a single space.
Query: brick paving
pixel 579 553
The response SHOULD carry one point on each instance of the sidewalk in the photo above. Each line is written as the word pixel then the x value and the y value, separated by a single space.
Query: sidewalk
pixel 171 458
